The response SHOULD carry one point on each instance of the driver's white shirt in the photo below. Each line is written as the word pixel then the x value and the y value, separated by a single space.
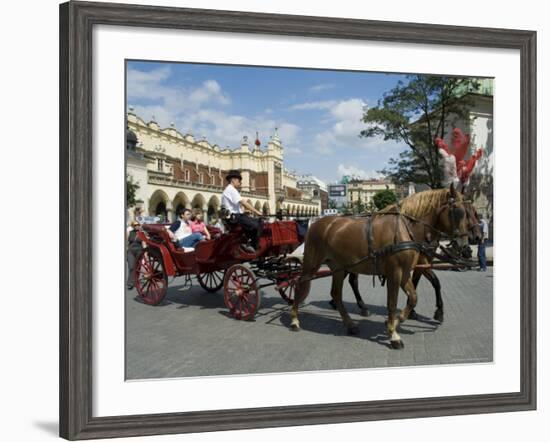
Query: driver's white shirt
pixel 231 198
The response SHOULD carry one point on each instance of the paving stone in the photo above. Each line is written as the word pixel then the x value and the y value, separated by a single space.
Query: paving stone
pixel 192 335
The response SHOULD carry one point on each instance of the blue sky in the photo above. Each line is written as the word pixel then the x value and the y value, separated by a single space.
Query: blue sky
pixel 317 112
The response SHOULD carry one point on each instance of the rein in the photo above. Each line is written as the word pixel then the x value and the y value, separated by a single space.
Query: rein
pixel 421 247
pixel 419 221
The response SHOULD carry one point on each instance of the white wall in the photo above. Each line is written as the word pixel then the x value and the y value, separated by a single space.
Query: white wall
pixel 30 299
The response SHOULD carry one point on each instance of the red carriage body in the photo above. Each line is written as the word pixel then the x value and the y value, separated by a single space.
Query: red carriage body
pixel 218 262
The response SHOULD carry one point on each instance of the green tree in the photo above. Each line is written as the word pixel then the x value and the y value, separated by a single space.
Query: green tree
pixel 332 204
pixel 371 207
pixel 384 198
pixel 415 112
pixel 131 189
pixel 358 206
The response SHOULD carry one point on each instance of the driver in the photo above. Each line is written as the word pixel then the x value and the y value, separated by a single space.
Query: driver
pixel 234 204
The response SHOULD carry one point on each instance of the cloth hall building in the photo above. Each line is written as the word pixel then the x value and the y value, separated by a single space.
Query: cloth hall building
pixel 176 171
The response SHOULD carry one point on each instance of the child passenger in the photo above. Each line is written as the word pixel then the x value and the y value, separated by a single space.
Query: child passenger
pixel 197 224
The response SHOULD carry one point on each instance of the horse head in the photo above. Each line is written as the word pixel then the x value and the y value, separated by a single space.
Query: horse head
pixel 452 217
pixel 474 230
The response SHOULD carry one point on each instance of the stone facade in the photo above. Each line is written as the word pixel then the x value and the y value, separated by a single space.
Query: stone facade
pixel 315 188
pixel 364 190
pixel 176 171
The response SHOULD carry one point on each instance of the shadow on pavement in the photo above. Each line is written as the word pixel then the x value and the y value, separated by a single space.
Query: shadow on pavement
pixel 196 296
pixel 370 329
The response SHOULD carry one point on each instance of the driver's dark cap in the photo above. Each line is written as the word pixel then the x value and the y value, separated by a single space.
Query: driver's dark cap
pixel 233 174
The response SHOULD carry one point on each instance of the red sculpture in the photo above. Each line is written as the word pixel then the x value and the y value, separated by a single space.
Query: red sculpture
pixel 457 169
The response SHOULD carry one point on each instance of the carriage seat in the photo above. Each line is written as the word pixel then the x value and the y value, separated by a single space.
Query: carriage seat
pixel 172 245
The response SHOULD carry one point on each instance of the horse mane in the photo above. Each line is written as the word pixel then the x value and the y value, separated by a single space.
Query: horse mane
pixel 422 203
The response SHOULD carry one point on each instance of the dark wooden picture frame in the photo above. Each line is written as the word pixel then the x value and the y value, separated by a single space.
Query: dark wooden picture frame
pixel 77 20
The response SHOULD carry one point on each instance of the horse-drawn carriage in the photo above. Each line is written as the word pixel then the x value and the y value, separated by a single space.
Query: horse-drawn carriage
pixel 396 244
pixel 218 263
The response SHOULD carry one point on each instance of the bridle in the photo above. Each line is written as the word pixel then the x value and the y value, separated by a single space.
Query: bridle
pixel 453 208
pixel 452 203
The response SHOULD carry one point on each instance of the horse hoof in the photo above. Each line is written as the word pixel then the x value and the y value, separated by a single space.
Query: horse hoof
pixel 353 330
pixel 397 345
pixel 332 304
pixel 365 312
pixel 413 315
pixel 438 316
pixel 295 328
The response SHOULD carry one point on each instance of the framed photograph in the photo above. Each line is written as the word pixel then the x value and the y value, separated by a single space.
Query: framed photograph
pixel 273 220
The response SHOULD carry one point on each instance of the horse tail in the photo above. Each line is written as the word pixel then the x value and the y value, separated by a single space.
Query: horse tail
pixel 314 255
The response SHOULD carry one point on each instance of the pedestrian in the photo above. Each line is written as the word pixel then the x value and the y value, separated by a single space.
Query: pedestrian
pixel 217 223
pixel 181 233
pixel 133 249
pixel 235 205
pixel 138 214
pixel 481 248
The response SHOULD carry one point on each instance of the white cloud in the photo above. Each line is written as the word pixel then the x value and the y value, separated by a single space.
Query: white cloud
pixel 322 87
pixel 293 150
pixel 354 171
pixel 344 119
pixel 148 85
pixel 210 91
pixel 314 105
pixel 220 127
pixel 201 110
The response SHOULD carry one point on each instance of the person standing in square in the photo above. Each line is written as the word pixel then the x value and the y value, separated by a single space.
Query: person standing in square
pixel 481 249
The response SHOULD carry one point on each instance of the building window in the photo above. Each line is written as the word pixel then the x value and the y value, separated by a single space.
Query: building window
pixel 186 175
pixel 201 178
pixel 160 165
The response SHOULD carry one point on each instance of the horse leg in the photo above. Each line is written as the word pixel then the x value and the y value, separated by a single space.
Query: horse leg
pixel 302 290
pixel 336 293
pixel 393 283
pixel 432 277
pixel 408 288
pixel 311 263
pixel 415 279
pixel 354 283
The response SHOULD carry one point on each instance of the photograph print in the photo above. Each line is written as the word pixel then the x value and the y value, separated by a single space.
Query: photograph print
pixel 294 220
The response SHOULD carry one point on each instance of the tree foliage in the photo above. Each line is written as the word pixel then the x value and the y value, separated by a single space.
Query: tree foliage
pixel 384 198
pixel 131 189
pixel 415 112
pixel 358 207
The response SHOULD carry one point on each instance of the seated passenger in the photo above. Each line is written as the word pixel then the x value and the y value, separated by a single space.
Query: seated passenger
pixel 181 233
pixel 217 223
pixel 197 224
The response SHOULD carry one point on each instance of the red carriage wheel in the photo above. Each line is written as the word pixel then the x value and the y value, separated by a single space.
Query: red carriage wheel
pixel 150 278
pixel 212 281
pixel 286 283
pixel 241 294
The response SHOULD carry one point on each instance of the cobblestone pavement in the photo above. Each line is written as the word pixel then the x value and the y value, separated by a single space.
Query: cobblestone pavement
pixel 190 334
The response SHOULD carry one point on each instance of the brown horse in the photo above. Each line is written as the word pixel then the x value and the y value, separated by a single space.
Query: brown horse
pixel 474 235
pixel 421 234
pixel 383 245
